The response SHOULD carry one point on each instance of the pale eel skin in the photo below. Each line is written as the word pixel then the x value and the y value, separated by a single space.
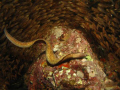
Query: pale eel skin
pixel 51 58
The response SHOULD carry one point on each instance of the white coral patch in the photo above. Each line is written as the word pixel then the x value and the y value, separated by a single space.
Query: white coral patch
pixel 80 74
pixel 64 67
pixel 80 81
pixel 69 76
pixel 88 69
pixel 78 40
pixel 50 73
pixel 57 31
pixel 74 74
pixel 92 74
pixel 56 47
pixel 84 60
pixel 61 72
pixel 68 71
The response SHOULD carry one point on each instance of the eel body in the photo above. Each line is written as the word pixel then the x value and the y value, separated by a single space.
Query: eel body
pixel 51 58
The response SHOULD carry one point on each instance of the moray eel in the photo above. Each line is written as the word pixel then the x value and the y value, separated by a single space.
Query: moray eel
pixel 51 58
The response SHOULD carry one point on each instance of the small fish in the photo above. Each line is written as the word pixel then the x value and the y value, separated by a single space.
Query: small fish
pixel 51 58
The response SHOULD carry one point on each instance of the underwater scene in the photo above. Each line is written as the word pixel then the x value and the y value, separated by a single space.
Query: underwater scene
pixel 59 44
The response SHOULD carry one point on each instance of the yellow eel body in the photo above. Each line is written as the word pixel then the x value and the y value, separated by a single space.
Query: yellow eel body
pixel 51 58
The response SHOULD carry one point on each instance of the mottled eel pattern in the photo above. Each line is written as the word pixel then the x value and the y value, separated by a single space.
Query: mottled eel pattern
pixel 51 58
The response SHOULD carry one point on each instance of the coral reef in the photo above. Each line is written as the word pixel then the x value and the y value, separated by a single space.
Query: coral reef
pixel 28 20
